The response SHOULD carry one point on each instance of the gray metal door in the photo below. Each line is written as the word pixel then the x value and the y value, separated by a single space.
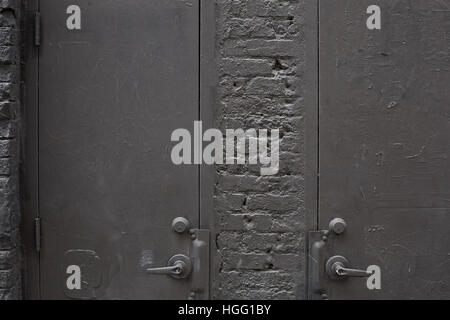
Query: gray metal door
pixel 384 147
pixel 113 85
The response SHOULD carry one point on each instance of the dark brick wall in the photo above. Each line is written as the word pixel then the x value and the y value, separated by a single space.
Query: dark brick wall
pixel 260 228
pixel 10 287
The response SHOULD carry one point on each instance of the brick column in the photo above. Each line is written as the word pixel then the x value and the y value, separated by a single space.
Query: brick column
pixel 261 220
pixel 10 286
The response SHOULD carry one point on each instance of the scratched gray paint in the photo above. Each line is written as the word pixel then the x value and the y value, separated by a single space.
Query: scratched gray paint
pixel 384 128
pixel 109 97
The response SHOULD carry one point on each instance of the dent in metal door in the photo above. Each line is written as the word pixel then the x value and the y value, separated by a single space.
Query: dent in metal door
pixel 110 95
pixel 384 128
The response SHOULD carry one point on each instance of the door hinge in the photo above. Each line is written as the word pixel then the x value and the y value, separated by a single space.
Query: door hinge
pixel 37 233
pixel 37 29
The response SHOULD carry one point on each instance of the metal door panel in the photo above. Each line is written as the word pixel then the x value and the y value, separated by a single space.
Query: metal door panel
pixel 110 95
pixel 384 128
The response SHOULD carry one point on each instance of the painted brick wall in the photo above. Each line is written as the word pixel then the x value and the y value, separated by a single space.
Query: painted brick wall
pixel 260 223
pixel 10 287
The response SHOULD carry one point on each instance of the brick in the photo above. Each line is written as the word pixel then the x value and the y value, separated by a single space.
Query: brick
pixel 267 280
pixel 288 261
pixel 259 284
pixel 8 259
pixel 12 4
pixel 6 241
pixel 229 240
pixel 7 278
pixel 232 86
pixel 242 222
pixel 8 73
pixel 8 91
pixel 259 242
pixel 7 210
pixel 6 183
pixel 230 202
pixel 247 67
pixel 230 8
pixel 261 261
pixel 248 181
pixel 272 242
pixel 265 105
pixel 273 87
pixel 8 55
pixel 243 183
pixel 5 166
pixel 274 203
pixel 7 130
pixel 292 163
pixel 10 294
pixel 268 122
pixel 272 8
pixel 261 48
pixel 8 36
pixel 251 183
pixel 245 28
pixel 246 261
pixel 289 223
pixel 286 29
pixel 264 122
pixel 7 18
pixel 290 242
pixel 7 294
pixel 293 222
pixel 5 148
pixel 7 111
pixel 287 66
pixel 293 142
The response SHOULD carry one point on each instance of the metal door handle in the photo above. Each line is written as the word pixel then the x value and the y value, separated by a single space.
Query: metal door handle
pixel 337 268
pixel 173 270
pixel 178 267
pixel 346 272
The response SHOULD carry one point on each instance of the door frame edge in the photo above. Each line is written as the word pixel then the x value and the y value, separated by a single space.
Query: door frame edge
pixel 311 99
pixel 208 81
pixel 29 152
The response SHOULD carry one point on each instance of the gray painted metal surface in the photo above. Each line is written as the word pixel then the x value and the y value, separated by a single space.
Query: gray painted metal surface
pixel 384 128
pixel 110 95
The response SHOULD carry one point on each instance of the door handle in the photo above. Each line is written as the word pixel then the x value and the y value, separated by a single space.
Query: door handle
pixel 173 270
pixel 337 268
pixel 178 267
